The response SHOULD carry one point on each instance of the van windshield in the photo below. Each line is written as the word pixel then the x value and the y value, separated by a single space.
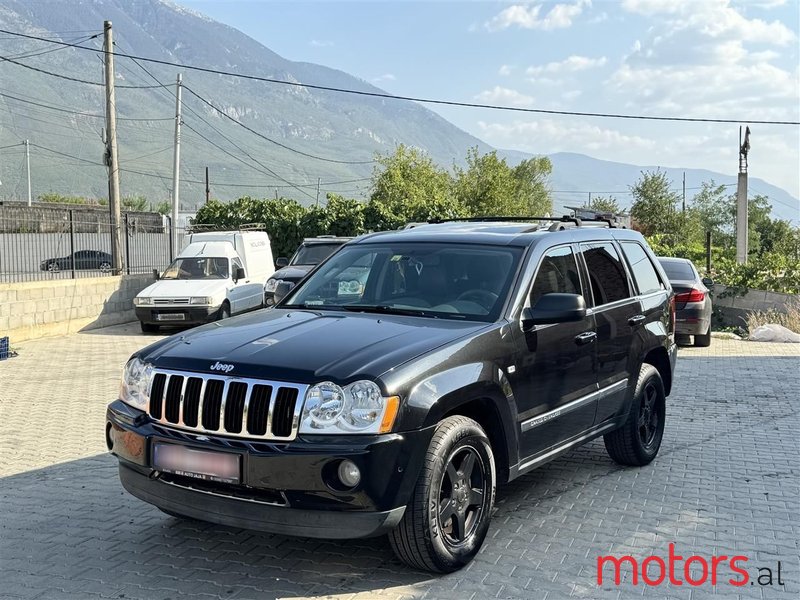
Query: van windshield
pixel 198 268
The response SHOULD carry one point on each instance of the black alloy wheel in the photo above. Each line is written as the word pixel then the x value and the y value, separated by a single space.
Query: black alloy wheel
pixel 648 415
pixel 461 495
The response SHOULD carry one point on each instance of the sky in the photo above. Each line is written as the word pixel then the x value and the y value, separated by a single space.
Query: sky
pixel 718 59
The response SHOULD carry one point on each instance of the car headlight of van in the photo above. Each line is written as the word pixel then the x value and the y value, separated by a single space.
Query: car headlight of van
pixel 271 285
pixel 135 386
pixel 142 301
pixel 355 408
pixel 204 300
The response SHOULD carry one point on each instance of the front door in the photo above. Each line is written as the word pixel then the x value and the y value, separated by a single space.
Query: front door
pixel 555 379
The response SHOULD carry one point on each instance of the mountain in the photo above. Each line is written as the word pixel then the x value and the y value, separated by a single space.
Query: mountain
pixel 66 149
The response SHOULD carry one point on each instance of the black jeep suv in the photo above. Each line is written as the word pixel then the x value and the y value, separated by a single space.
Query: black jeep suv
pixel 401 381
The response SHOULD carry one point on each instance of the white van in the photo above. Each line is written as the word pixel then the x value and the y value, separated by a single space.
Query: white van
pixel 216 275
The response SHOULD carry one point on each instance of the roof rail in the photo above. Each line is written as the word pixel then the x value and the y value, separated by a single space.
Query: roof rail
pixel 559 223
pixel 209 227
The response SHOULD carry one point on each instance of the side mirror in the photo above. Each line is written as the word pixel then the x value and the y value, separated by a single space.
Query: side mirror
pixel 238 273
pixel 554 308
pixel 283 288
pixel 707 281
pixel 281 262
pixel 156 274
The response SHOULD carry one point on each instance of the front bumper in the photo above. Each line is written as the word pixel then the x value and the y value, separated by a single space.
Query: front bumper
pixel 285 488
pixel 192 315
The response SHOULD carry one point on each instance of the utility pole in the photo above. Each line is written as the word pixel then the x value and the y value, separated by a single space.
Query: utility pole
pixel 684 194
pixel 28 168
pixel 208 189
pixel 741 199
pixel 176 165
pixel 112 159
pixel 318 180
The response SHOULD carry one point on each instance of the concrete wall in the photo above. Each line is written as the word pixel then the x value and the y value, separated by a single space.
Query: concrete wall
pixel 734 309
pixel 44 308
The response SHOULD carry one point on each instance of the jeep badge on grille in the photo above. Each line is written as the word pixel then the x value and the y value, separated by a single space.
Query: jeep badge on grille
pixel 218 366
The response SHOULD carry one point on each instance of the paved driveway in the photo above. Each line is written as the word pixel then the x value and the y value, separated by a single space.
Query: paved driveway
pixel 725 483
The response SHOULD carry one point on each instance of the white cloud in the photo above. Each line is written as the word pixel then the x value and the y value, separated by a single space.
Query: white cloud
pixel 561 136
pixel 321 43
pixel 531 16
pixel 570 65
pixel 384 77
pixel 505 70
pixel 504 97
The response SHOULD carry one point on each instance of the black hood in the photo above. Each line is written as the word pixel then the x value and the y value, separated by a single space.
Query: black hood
pixel 292 272
pixel 304 346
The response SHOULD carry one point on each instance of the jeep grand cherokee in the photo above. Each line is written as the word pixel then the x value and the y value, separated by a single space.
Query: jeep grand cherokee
pixel 472 353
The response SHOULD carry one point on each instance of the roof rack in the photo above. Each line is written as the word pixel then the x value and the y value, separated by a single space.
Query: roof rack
pixel 559 223
pixel 208 227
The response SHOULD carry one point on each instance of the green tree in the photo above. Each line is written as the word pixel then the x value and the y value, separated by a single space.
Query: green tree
pixel 163 208
pixel 490 187
pixel 654 204
pixel 605 204
pixel 136 203
pixel 711 207
pixel 406 185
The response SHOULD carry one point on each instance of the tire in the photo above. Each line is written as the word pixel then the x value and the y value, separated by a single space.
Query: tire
pixel 446 521
pixel 54 267
pixel 148 327
pixel 703 341
pixel 105 267
pixel 224 311
pixel 683 339
pixel 637 442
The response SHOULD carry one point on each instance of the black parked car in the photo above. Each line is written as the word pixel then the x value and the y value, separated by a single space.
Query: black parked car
pixel 93 260
pixel 473 353
pixel 310 253
pixel 693 306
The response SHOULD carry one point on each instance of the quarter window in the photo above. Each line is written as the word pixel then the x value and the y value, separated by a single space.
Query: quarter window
pixel 606 273
pixel 643 271
pixel 558 273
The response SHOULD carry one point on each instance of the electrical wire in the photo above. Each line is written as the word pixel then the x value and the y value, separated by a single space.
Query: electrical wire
pixel 387 96
pixel 81 114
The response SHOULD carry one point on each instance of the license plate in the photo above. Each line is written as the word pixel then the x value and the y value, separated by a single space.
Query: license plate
pixel 199 464
pixel 170 317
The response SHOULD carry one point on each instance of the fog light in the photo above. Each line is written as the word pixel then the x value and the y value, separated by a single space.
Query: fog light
pixel 349 474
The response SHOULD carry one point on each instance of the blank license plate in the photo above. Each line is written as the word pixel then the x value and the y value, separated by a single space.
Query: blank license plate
pixel 170 317
pixel 199 464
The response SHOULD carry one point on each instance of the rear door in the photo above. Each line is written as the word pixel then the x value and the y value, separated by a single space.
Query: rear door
pixel 554 379
pixel 617 315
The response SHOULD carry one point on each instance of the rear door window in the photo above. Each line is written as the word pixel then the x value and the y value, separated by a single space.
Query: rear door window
pixel 644 273
pixel 607 274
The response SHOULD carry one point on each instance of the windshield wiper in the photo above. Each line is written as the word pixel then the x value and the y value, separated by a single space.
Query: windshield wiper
pixel 310 306
pixel 383 308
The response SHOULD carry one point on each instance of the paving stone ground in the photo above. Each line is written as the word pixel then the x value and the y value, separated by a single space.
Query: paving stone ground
pixel 726 482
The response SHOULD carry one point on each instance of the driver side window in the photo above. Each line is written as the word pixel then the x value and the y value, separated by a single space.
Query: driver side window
pixel 558 273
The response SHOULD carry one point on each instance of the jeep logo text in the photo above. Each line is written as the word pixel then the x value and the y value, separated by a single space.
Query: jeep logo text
pixel 218 366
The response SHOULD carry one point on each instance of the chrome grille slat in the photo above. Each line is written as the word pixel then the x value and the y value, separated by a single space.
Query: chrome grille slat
pixel 239 405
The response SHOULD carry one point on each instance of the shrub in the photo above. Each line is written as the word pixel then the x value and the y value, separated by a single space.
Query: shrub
pixel 789 319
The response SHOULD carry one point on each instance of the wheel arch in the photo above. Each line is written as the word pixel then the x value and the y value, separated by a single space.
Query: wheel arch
pixel 659 358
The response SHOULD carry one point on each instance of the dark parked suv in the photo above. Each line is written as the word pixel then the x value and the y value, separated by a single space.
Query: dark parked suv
pixel 469 354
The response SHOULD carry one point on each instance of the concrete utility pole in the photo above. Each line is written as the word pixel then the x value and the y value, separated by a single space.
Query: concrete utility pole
pixel 28 168
pixel 683 209
pixel 318 181
pixel 176 165
pixel 741 199
pixel 112 159
pixel 208 189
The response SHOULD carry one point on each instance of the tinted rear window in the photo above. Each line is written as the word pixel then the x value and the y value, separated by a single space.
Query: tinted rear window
pixel 678 270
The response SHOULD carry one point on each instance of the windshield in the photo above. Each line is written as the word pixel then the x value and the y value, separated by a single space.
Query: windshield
pixel 198 268
pixel 678 270
pixel 426 279
pixel 313 254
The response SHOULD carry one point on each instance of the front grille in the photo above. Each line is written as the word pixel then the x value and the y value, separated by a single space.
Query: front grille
pixel 169 301
pixel 247 408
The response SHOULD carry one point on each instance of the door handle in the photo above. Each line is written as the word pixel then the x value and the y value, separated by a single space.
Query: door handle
pixel 636 320
pixel 587 337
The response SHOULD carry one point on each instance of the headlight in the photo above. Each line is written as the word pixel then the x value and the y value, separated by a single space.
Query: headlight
pixel 355 408
pixel 142 300
pixel 136 383
pixel 200 300
pixel 271 285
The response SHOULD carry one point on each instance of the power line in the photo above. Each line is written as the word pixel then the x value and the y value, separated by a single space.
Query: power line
pixel 33 53
pixel 262 136
pixel 413 98
pixel 82 114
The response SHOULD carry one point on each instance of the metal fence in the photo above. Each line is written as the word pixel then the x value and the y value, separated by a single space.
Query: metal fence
pixel 73 244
